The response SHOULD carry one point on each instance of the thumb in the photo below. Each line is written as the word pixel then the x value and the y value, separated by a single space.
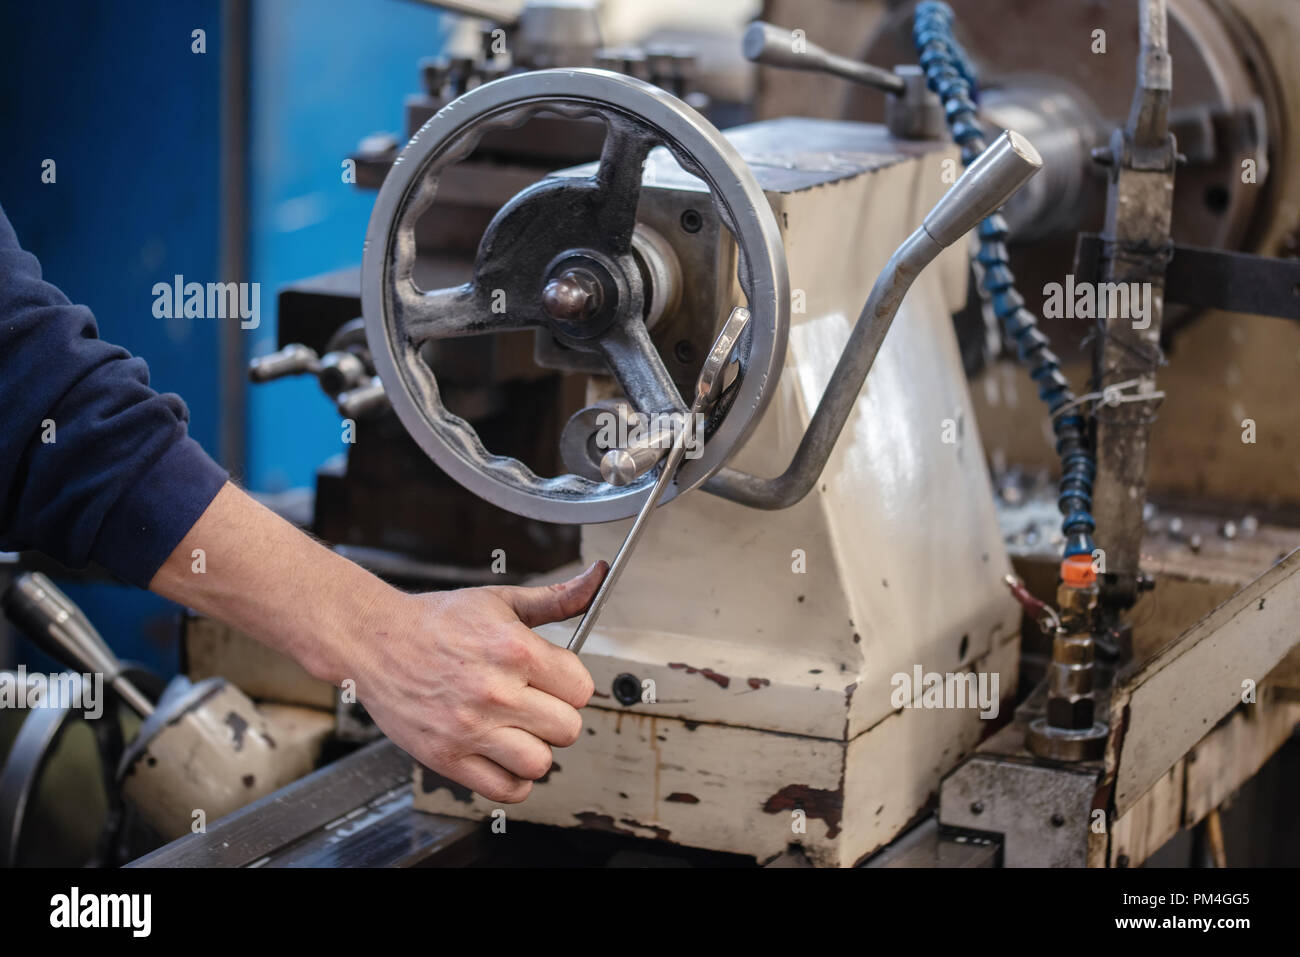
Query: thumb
pixel 548 603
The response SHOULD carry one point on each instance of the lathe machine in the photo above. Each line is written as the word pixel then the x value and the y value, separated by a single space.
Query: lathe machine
pixel 861 626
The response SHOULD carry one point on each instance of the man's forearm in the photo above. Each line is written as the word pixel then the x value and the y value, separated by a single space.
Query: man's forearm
pixel 250 568
pixel 456 678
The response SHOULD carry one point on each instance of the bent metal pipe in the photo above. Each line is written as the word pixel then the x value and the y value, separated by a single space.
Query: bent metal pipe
pixel 986 185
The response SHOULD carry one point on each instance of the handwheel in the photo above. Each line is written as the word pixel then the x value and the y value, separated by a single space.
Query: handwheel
pixel 559 257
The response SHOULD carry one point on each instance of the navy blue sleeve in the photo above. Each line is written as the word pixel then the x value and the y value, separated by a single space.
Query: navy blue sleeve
pixel 121 482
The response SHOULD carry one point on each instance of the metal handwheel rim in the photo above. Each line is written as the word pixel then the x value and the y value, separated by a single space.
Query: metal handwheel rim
pixel 407 192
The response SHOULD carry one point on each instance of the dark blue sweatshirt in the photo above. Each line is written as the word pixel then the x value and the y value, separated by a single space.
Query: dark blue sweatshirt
pixel 121 482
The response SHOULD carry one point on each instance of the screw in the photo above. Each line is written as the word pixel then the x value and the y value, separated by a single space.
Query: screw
pixel 1058 820
pixel 977 807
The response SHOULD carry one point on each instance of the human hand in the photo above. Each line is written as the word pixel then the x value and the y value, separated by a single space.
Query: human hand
pixel 459 681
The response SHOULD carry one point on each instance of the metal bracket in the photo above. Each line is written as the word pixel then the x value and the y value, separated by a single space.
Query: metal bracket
pixel 1211 278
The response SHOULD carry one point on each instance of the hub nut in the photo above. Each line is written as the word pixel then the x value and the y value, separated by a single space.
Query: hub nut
pixel 572 296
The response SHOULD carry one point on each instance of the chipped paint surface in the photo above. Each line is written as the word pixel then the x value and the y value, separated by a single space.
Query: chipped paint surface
pixel 237 726
pixel 603 822
pixel 218 753
pixel 656 778
pixel 431 781
pixel 826 805
pixel 736 789
pixel 722 681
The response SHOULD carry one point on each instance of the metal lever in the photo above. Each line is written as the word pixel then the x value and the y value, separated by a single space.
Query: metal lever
pixel 772 46
pixel 342 374
pixel 57 626
pixel 706 390
pixel 363 399
pixel 293 359
pixel 979 192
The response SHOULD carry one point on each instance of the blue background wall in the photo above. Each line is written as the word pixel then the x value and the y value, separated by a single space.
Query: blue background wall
pixel 324 75
pixel 113 93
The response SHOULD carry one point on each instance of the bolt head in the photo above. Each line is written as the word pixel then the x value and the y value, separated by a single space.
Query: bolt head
pixel 572 296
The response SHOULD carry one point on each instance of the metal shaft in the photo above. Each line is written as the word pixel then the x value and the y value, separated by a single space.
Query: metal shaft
pixel 58 627
pixel 706 389
pixel 293 359
pixel 624 466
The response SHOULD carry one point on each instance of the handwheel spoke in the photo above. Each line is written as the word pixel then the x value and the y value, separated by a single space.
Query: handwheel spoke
pixel 639 369
pixel 452 312
pixel 618 182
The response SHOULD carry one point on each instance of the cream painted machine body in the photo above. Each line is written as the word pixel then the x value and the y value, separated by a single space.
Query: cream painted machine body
pixel 769 644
